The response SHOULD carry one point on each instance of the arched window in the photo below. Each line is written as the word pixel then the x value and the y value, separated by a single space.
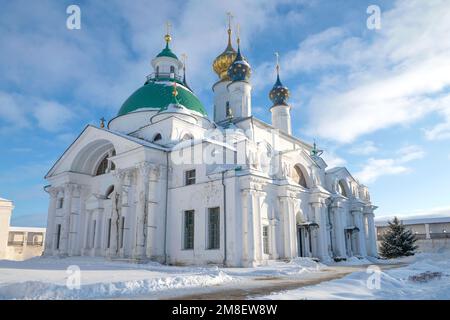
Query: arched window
pixel 299 177
pixel 172 69
pixel 341 189
pixel 102 167
pixel 113 166
pixel 106 166
pixel 157 71
pixel 157 137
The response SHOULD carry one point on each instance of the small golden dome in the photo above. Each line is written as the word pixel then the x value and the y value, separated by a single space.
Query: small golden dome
pixel 224 60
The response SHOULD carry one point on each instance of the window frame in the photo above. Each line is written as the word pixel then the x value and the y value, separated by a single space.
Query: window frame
pixel 60 203
pixel 266 239
pixel 213 243
pixel 188 181
pixel 188 239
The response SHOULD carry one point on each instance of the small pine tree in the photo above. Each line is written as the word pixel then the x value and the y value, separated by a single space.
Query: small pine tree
pixel 397 241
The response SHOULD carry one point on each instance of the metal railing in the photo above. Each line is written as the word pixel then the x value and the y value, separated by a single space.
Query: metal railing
pixel 164 75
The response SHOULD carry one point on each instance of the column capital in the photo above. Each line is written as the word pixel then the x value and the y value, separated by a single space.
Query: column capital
pixel 338 201
pixel 319 196
pixel 69 188
pixel 253 192
pixel 53 191
pixel 148 169
pixel 369 209
pixel 120 174
pixel 356 207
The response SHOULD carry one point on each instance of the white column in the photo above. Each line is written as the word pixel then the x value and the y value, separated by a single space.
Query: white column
pixel 50 232
pixel 77 202
pixel 79 222
pixel 152 224
pixel 244 225
pixel 273 239
pixel 339 230
pixel 360 237
pixel 371 236
pixel 249 249
pixel 286 221
pixel 251 259
pixel 258 243
pixel 142 213
pixel 116 214
pixel 292 231
pixel 320 218
pixel 67 211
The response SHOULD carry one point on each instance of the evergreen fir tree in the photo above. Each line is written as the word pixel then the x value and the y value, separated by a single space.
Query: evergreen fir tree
pixel 397 241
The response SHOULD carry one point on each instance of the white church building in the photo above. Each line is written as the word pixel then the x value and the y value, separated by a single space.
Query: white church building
pixel 164 182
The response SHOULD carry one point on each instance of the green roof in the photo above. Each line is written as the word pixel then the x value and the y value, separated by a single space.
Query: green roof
pixel 166 52
pixel 158 94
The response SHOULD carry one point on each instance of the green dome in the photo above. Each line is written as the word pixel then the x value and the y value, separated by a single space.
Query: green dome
pixel 166 52
pixel 158 94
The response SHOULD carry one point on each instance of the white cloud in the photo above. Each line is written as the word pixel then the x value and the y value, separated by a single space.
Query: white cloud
pixel 441 130
pixel 375 168
pixel 390 77
pixel 333 160
pixel 365 148
pixel 21 111
pixel 410 153
pixel 52 116
pixel 11 110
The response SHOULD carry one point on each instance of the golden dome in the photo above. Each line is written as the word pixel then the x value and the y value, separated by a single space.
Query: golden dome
pixel 224 60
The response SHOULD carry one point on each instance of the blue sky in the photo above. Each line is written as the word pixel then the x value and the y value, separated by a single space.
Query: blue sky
pixel 378 101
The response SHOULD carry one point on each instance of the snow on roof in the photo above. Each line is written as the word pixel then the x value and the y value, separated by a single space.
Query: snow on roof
pixel 414 220
pixel 142 142
pixel 27 229
pixel 434 215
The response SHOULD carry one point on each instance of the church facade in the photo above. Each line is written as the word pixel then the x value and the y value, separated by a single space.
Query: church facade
pixel 164 182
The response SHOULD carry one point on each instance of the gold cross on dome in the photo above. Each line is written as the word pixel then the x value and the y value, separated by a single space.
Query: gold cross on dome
pixel 230 17
pixel 277 55
pixel 168 27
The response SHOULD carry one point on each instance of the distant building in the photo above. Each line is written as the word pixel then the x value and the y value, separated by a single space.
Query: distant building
pixel 18 243
pixel 433 233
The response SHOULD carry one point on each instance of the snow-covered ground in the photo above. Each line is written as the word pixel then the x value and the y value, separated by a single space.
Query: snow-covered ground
pixel 47 278
pixel 424 276
pixel 427 276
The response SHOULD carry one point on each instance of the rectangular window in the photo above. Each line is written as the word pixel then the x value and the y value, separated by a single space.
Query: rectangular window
pixel 188 230
pixel 213 228
pixel 190 177
pixel 60 203
pixel 58 236
pixel 108 243
pixel 266 239
pixel 122 229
